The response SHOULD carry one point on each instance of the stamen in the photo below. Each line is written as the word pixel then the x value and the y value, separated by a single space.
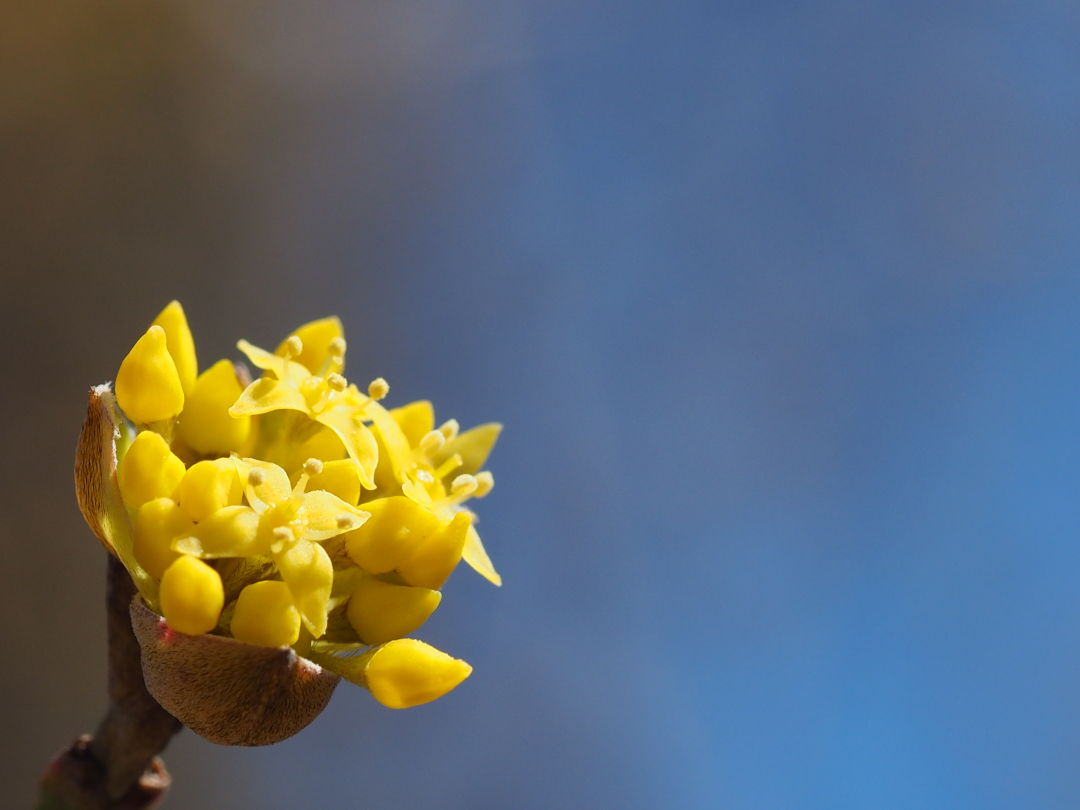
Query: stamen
pixel 450 429
pixel 294 346
pixel 463 486
pixel 345 522
pixel 256 477
pixel 379 388
pixel 283 537
pixel 337 347
pixel 484 482
pixel 449 466
pixel 432 443
pixel 313 466
pixel 336 382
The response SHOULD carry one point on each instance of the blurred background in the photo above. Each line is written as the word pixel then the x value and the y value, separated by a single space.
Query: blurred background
pixel 779 304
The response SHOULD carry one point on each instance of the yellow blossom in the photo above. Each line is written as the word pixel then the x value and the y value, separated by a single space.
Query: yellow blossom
pixel 438 468
pixel 282 521
pixel 324 396
pixel 294 511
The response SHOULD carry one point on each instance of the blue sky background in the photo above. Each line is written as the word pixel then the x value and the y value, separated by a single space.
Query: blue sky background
pixel 777 301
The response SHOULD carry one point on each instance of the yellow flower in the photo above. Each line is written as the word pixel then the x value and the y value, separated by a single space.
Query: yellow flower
pixel 439 469
pixel 284 522
pixel 324 396
pixel 294 511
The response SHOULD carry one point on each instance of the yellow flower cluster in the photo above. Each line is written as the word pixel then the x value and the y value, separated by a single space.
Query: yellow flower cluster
pixel 294 509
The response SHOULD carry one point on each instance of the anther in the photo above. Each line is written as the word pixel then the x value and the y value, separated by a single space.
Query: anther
pixel 294 346
pixel 313 466
pixel 337 382
pixel 345 522
pixel 284 534
pixel 256 477
pixel 337 347
pixel 378 389
pixel 450 429
pixel 484 482
pixel 463 486
pixel 432 443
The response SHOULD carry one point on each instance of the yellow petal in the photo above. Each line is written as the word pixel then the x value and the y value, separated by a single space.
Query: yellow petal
pixel 206 425
pixel 473 446
pixel 475 555
pixel 393 439
pixel 323 445
pixel 148 470
pixel 340 478
pixel 307 570
pixel 278 366
pixel 435 560
pixel 267 394
pixel 230 532
pixel 358 441
pixel 316 337
pixel 208 486
pixel 265 615
pixel 380 612
pixel 416 420
pixel 180 343
pixel 148 387
pixel 397 528
pixel 273 489
pixel 157 524
pixel 325 515
pixel 191 596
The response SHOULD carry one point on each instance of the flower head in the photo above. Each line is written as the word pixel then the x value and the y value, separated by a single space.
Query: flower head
pixel 292 511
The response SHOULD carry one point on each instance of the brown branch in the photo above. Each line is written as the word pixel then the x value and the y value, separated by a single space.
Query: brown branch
pixel 118 768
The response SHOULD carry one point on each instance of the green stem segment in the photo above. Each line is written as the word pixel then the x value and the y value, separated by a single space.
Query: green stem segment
pixel 118 768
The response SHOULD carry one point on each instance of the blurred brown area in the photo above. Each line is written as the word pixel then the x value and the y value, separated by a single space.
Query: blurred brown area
pixel 128 146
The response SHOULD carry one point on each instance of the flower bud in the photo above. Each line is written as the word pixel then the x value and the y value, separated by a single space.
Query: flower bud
pixel 315 338
pixel 148 387
pixel 380 612
pixel 340 478
pixel 180 343
pixel 149 470
pixel 191 596
pixel 157 524
pixel 403 673
pixel 208 486
pixel 398 526
pixel 206 425
pixel 436 559
pixel 265 615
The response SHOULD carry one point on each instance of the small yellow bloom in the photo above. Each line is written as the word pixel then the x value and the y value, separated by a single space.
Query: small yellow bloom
pixel 324 397
pixel 191 596
pixel 439 469
pixel 149 470
pixel 148 387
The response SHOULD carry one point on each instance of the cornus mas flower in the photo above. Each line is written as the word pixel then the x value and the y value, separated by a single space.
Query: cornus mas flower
pixel 282 532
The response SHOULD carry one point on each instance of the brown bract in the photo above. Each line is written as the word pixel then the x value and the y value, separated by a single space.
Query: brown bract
pixel 95 465
pixel 226 691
